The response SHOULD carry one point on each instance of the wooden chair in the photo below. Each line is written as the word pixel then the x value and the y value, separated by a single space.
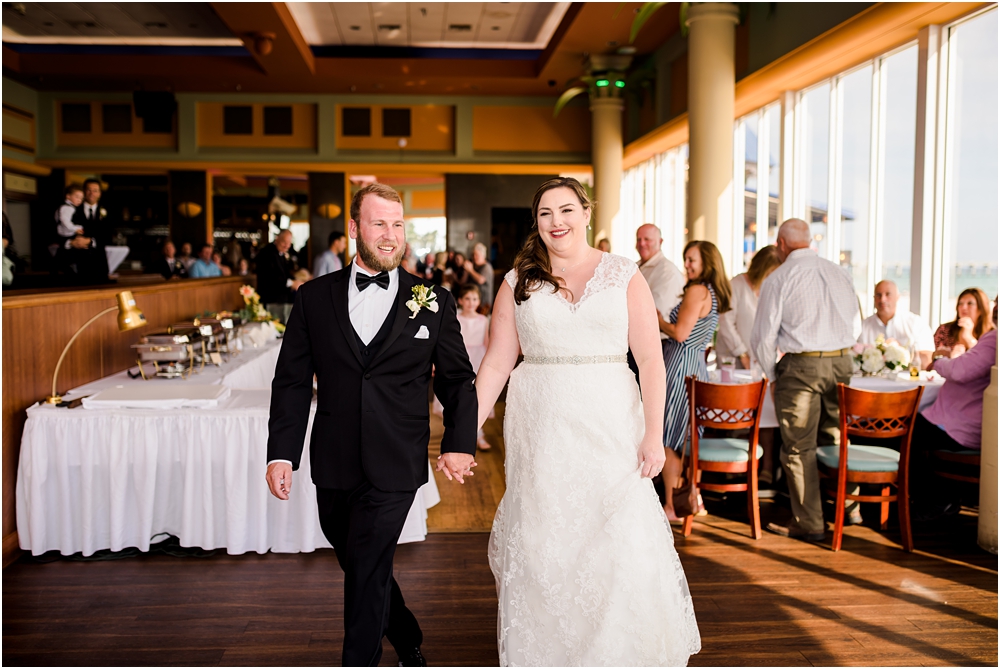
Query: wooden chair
pixel 726 407
pixel 964 460
pixel 870 414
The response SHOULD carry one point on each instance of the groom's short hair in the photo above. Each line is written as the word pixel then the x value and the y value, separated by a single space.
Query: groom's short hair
pixel 374 188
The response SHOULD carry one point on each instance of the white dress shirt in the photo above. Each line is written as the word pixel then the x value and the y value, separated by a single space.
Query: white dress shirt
pixel 327 263
pixel 905 327
pixel 666 282
pixel 736 325
pixel 370 307
pixel 65 226
pixel 807 304
pixel 91 211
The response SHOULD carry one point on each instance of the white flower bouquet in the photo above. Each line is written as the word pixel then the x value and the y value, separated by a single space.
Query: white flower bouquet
pixel 882 355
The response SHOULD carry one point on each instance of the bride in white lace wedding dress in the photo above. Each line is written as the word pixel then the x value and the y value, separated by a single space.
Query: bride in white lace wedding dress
pixel 586 569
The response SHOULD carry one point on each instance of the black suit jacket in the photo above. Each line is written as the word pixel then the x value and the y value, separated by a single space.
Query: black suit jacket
pixel 273 272
pixel 381 410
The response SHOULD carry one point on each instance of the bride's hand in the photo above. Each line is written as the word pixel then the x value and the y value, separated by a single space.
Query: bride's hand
pixel 651 456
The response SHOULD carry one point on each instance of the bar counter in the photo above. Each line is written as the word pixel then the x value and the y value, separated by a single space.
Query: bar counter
pixel 37 324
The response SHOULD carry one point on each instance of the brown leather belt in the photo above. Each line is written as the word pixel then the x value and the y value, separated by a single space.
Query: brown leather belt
pixel 825 354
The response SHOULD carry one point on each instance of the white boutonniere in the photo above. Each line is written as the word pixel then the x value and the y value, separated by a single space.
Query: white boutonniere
pixel 104 212
pixel 423 298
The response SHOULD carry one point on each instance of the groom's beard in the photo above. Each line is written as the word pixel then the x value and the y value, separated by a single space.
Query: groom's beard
pixel 374 261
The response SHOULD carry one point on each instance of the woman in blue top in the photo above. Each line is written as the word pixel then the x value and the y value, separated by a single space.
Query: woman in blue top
pixel 690 327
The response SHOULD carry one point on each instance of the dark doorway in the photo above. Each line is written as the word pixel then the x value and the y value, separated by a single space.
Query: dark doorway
pixel 509 227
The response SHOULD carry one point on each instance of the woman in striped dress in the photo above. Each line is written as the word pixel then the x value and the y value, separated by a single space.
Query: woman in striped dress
pixel 690 327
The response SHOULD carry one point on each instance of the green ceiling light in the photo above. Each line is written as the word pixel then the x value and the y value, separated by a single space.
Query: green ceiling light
pixel 602 83
pixel 620 84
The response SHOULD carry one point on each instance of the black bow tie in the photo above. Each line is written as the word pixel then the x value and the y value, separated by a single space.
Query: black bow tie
pixel 364 280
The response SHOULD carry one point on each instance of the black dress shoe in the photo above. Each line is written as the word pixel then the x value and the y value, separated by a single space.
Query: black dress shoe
pixel 411 658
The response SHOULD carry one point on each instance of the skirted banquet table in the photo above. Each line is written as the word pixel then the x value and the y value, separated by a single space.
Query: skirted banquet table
pixel 110 478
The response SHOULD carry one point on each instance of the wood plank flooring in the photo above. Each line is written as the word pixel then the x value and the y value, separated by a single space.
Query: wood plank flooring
pixel 771 602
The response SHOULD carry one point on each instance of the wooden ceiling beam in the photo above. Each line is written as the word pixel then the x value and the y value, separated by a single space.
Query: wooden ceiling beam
pixel 271 36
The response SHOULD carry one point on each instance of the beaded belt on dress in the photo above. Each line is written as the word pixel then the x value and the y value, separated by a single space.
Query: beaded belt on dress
pixel 573 359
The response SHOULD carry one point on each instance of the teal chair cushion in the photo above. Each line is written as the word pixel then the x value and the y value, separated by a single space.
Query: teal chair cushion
pixel 723 450
pixel 860 458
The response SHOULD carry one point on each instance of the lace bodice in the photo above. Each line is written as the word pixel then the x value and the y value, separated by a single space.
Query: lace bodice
pixel 597 324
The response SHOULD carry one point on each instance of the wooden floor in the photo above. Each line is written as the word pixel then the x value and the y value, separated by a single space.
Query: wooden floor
pixel 770 602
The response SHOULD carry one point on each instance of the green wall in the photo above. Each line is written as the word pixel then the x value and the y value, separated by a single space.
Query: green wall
pixel 187 149
pixel 18 95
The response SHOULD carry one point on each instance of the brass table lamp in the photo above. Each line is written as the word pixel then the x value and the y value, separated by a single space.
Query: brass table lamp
pixel 129 318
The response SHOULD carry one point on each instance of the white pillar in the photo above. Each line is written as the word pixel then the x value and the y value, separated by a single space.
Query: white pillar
pixel 607 152
pixel 988 469
pixel 711 106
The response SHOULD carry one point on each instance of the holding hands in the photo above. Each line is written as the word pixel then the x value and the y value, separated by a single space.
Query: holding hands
pixel 456 465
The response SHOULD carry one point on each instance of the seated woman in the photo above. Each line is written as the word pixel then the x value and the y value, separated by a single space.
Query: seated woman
pixel 973 318
pixel 953 422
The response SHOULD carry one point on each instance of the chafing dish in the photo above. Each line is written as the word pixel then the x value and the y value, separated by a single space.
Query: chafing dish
pixel 214 339
pixel 172 353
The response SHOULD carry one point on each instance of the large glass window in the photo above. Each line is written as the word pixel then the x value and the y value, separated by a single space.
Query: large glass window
pixel 654 191
pixel 814 115
pixel 971 196
pixel 855 111
pixel 774 171
pixel 899 86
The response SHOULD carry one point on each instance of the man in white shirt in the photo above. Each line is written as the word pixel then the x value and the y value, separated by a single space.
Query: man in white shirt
pixel 666 282
pixel 906 329
pixel 806 310
pixel 329 261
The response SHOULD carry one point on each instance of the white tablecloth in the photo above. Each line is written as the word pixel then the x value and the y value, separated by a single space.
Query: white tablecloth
pixel 113 478
pixel 769 418
pixel 115 255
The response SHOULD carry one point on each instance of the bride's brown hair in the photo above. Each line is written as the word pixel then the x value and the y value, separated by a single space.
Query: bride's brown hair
pixel 532 266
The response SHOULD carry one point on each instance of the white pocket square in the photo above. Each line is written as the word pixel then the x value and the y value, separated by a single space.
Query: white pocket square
pixel 422 333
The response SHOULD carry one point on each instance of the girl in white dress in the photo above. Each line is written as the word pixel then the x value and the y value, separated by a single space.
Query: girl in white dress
pixel 584 560
pixel 476 334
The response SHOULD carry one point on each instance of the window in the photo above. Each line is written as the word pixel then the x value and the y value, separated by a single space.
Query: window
pixel 814 117
pixel 899 106
pixel 75 117
pixel 116 118
pixel 356 122
pixel 757 149
pixel 970 242
pixel 854 121
pixel 654 191
pixel 237 120
pixel 277 120
pixel 395 122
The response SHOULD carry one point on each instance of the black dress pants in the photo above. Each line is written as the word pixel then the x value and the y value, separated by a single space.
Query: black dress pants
pixel 363 525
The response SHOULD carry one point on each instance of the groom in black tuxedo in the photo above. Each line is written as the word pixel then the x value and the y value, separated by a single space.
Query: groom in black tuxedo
pixel 371 347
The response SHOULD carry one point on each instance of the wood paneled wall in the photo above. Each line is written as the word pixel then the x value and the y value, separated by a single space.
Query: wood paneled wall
pixel 37 327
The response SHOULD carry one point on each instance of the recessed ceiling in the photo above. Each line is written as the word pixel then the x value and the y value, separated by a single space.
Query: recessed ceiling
pixel 125 23
pixel 487 25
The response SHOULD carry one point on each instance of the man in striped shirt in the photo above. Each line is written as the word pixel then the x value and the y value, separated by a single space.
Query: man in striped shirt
pixel 806 310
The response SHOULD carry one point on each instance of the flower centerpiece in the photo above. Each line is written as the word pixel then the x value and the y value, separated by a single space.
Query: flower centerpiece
pixel 883 355
pixel 254 312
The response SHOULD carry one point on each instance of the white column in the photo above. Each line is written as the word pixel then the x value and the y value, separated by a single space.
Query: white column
pixel 711 107
pixel 607 152
pixel 988 468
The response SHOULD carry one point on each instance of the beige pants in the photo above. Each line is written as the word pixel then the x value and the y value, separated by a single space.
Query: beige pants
pixel 805 398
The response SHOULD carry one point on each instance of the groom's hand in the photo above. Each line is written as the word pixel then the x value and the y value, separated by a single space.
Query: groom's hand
pixel 279 479
pixel 456 465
